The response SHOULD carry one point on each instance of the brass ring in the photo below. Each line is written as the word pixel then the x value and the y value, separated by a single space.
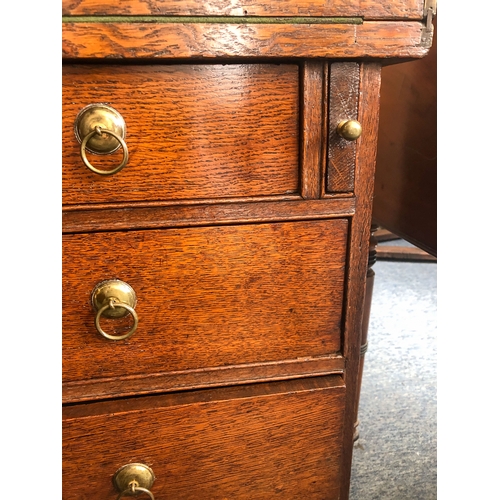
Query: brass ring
pixel 115 170
pixel 131 492
pixel 111 304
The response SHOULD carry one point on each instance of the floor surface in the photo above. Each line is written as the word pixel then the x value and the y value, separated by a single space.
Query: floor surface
pixel 395 457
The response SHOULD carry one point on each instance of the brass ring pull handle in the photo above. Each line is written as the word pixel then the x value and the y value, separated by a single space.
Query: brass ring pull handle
pixel 134 480
pixel 134 490
pixel 89 165
pixel 101 130
pixel 112 304
pixel 114 299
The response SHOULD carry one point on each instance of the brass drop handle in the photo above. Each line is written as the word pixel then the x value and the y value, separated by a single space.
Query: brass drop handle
pixel 350 130
pixel 114 299
pixel 133 480
pixel 101 130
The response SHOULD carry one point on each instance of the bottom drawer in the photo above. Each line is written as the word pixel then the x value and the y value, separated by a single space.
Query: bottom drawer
pixel 274 440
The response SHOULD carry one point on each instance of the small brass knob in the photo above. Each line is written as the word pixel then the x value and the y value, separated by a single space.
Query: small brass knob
pixel 134 480
pixel 350 130
pixel 114 299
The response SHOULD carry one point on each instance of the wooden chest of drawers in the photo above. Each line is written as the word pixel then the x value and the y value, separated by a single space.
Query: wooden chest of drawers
pixel 213 287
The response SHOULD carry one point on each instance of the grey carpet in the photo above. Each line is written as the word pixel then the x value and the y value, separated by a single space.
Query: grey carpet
pixel 395 457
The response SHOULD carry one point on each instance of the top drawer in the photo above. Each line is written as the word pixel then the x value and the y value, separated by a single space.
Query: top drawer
pixel 192 132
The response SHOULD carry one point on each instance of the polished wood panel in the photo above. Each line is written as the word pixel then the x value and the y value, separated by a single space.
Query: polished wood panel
pixel 343 100
pixel 369 95
pixel 314 124
pixel 411 9
pixel 236 211
pixel 280 439
pixel 193 131
pixel 405 199
pixel 207 297
pixel 132 385
pixel 149 40
pixel 406 254
pixel 370 280
pixel 243 378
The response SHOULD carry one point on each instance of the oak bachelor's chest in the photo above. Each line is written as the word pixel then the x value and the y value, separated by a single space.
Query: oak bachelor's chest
pixel 218 164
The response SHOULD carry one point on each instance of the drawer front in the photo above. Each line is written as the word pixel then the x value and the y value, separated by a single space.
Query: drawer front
pixel 343 104
pixel 206 297
pixel 192 132
pixel 279 440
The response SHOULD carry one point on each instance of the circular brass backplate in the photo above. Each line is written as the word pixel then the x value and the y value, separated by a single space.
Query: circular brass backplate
pixel 118 290
pixel 142 474
pixel 106 118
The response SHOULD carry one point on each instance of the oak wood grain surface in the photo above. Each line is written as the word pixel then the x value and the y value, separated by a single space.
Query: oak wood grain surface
pixel 409 9
pixel 369 101
pixel 193 131
pixel 207 297
pixel 202 378
pixel 116 218
pixel 146 40
pixel 242 223
pixel 279 440
pixel 405 198
pixel 313 142
pixel 408 254
pixel 343 100
pixel 370 280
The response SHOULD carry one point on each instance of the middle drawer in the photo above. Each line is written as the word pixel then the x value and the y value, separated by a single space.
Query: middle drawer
pixel 206 297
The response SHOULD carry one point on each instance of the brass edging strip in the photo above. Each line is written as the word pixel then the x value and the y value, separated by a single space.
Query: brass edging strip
pixel 212 20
